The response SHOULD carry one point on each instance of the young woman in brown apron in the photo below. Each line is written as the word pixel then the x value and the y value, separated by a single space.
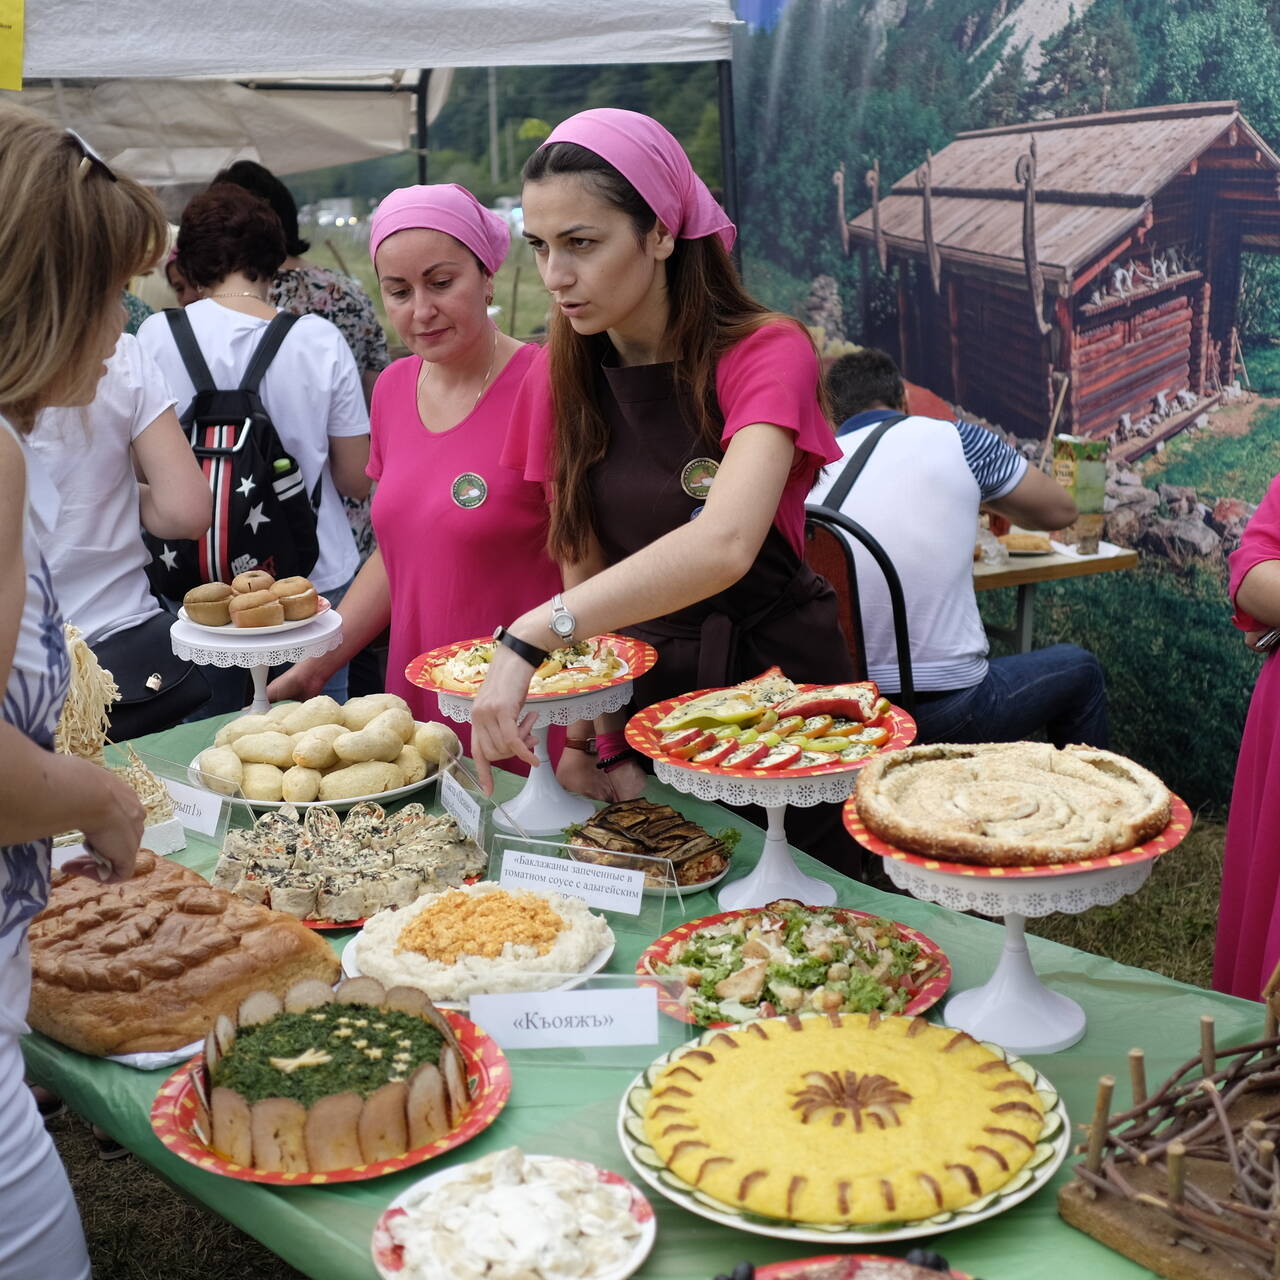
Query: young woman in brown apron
pixel 679 425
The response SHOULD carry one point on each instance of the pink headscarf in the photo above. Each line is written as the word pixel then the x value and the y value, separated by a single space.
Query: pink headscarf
pixel 444 207
pixel 655 164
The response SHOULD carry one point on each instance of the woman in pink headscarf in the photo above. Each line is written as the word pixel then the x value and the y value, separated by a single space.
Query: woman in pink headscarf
pixel 460 538
pixel 679 424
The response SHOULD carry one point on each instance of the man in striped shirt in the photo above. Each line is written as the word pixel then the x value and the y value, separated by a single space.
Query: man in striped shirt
pixel 919 495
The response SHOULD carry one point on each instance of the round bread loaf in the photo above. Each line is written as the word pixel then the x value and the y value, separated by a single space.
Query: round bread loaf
pixel 256 609
pixel 254 580
pixel 208 603
pixel 298 597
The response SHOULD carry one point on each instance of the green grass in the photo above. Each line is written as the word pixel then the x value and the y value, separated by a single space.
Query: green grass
pixel 1263 362
pixel 1228 466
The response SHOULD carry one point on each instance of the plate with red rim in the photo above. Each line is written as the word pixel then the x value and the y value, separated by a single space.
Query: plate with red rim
pixel 230 629
pixel 1172 836
pixel 927 995
pixel 643 734
pixel 488 1076
pixel 636 657
pixel 388 1256
pixel 855 1268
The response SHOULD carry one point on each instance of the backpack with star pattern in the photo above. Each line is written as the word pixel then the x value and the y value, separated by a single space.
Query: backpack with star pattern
pixel 263 517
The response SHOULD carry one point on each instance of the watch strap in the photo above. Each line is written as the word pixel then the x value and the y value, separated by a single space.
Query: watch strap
pixel 534 656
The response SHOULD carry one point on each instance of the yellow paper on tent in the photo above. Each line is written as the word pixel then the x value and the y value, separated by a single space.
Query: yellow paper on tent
pixel 11 44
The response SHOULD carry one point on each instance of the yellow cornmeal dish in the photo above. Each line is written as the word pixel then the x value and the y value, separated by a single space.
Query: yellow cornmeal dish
pixel 843 1118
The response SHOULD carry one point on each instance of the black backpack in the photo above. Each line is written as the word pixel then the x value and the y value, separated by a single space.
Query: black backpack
pixel 263 517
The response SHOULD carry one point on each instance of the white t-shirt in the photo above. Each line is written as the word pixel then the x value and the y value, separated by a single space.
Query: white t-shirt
pixel 96 552
pixel 918 496
pixel 311 390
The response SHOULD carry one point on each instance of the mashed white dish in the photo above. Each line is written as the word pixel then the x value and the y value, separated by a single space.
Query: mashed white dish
pixel 517 966
pixel 517 1217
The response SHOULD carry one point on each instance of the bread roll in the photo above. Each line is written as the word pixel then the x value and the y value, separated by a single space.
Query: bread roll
pixel 364 779
pixel 240 726
pixel 280 712
pixel 265 748
pixel 254 580
pixel 262 782
pixel 300 784
pixel 311 714
pixel 358 712
pixel 314 749
pixel 256 609
pixel 223 770
pixel 436 743
pixel 375 742
pixel 412 765
pixel 208 604
pixel 298 597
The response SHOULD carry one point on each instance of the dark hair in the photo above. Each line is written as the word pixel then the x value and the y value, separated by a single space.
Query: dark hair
pixel 863 379
pixel 226 229
pixel 709 313
pixel 264 184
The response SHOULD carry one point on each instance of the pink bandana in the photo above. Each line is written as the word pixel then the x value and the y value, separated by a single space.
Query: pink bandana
pixel 655 164
pixel 444 207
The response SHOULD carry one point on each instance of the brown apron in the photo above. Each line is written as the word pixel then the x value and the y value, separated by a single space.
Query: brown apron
pixel 780 613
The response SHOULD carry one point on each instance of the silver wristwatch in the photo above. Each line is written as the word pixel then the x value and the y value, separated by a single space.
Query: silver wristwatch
pixel 563 623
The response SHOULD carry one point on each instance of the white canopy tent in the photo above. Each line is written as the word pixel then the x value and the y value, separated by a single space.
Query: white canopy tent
pixel 172 93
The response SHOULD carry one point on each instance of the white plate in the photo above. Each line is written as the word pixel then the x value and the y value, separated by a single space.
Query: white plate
pixel 1020 554
pixel 666 891
pixel 230 629
pixel 156 1059
pixel 641 1211
pixel 1050 1152
pixel 396 793
pixel 351 969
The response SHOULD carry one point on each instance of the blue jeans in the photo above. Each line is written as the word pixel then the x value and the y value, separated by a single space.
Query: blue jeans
pixel 1059 690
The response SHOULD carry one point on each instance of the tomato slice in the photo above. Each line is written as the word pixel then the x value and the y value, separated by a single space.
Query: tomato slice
pixel 678 737
pixel 716 753
pixel 687 750
pixel 872 735
pixel 818 726
pixel 746 757
pixel 782 756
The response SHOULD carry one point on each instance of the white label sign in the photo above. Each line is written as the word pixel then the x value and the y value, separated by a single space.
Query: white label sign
pixel 464 807
pixel 562 1019
pixel 608 888
pixel 199 810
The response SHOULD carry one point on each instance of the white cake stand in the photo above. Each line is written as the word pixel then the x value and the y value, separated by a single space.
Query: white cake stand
pixel 543 806
pixel 776 874
pixel 240 647
pixel 1013 1007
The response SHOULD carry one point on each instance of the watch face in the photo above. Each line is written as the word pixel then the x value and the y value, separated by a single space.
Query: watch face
pixel 563 625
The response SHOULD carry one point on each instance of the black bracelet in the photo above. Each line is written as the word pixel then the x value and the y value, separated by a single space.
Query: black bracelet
pixel 609 761
pixel 534 656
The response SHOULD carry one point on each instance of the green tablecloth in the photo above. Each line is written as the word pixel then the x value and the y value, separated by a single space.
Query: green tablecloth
pixel 325 1232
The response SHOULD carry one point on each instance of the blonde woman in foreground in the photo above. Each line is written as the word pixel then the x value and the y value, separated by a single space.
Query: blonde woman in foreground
pixel 71 235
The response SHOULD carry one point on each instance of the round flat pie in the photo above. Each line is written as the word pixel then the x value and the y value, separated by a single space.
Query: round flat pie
pixel 1011 803
pixel 843 1118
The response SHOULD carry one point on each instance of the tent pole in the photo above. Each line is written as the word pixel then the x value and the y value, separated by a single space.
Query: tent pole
pixel 420 110
pixel 728 146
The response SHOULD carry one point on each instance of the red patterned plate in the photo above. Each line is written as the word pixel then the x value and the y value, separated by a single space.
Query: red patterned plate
pixel 388 1256
pixel 926 997
pixel 643 734
pixel 856 1266
pixel 638 657
pixel 488 1075
pixel 1172 836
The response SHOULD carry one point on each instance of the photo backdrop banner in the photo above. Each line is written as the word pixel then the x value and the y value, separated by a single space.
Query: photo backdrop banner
pixel 1058 217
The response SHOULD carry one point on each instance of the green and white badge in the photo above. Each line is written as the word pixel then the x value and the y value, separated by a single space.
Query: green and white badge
pixel 697 476
pixel 469 490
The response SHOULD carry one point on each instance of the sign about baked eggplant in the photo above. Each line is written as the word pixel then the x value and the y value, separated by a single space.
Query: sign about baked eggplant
pixel 569 1019
pixel 605 888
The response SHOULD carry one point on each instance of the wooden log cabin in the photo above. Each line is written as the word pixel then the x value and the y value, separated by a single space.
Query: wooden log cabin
pixel 1092 261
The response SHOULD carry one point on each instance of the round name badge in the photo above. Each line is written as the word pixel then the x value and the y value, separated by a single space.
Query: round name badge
pixel 469 490
pixel 697 476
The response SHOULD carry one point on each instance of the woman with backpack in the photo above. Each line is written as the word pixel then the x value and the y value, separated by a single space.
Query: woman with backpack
pixel 229 245
pixel 71 233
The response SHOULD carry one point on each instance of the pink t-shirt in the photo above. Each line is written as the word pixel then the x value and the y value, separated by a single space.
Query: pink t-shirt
pixel 462 537
pixel 1260 542
pixel 771 377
